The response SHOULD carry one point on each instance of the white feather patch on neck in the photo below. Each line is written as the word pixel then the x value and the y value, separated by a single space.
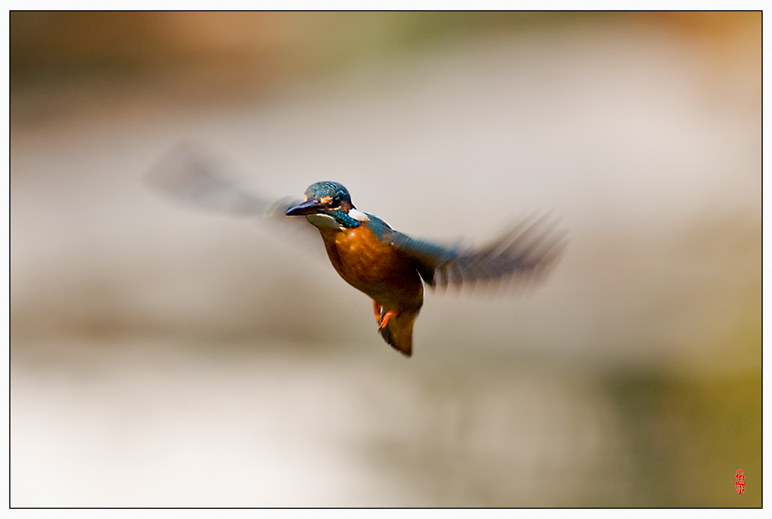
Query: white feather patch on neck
pixel 358 215
pixel 324 221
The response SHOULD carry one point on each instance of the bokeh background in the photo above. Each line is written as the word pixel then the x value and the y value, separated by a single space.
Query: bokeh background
pixel 167 356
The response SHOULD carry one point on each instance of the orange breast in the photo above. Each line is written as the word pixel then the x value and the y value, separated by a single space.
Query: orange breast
pixel 374 267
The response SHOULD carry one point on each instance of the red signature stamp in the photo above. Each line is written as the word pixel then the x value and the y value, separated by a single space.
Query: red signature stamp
pixel 739 481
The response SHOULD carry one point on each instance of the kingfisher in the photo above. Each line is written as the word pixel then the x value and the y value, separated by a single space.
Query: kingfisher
pixel 388 266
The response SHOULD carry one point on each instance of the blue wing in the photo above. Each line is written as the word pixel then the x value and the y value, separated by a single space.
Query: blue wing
pixel 521 254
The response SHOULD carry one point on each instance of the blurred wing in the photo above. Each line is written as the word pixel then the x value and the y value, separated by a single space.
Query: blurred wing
pixel 190 175
pixel 523 253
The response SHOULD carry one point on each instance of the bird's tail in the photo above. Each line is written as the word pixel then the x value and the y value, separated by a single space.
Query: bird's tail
pixel 398 332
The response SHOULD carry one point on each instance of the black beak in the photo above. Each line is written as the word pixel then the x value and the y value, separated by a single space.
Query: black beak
pixel 307 207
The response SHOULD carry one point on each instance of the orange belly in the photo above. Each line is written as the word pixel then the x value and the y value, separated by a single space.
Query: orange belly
pixel 375 268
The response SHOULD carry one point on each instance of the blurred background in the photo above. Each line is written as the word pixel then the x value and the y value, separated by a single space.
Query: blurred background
pixel 167 356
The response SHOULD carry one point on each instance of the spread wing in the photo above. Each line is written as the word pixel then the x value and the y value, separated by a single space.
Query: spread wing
pixel 190 175
pixel 520 255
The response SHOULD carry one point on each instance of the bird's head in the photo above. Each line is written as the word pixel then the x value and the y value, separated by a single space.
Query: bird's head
pixel 328 204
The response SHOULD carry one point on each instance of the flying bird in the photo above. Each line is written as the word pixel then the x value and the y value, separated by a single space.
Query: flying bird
pixel 387 265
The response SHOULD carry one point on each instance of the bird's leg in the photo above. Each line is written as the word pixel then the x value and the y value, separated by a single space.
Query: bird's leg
pixel 377 310
pixel 380 317
pixel 388 315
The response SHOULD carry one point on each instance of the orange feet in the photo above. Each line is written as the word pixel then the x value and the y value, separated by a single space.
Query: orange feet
pixel 382 318
pixel 377 310
pixel 388 315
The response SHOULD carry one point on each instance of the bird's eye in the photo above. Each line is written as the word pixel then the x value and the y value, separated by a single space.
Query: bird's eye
pixel 335 202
